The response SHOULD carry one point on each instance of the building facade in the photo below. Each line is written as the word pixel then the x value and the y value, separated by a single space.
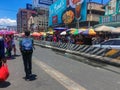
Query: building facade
pixel 40 19
pixel 23 16
pixel 112 14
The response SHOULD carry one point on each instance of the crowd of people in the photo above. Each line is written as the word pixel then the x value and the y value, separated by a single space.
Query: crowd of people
pixel 78 39
pixel 73 39
pixel 7 45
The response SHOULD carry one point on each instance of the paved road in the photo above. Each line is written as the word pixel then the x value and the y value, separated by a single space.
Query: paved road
pixel 62 71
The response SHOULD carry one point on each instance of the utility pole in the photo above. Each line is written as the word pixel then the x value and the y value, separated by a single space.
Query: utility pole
pixel 90 7
pixel 45 20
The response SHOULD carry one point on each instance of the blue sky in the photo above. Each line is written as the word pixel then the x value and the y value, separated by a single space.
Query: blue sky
pixel 9 9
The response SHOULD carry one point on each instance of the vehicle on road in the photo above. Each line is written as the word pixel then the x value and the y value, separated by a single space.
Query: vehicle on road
pixel 109 44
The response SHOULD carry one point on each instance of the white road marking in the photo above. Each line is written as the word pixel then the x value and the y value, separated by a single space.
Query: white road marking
pixel 61 78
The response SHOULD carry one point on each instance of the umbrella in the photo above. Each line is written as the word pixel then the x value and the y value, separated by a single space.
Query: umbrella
pixel 50 32
pixel 63 33
pixel 42 33
pixel 75 31
pixel 13 32
pixel 89 32
pixel 117 30
pixel 4 32
pixel 60 28
pixel 21 34
pixel 72 31
pixel 104 29
pixel 36 34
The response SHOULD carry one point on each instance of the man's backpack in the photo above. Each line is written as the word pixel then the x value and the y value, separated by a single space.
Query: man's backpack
pixel 27 44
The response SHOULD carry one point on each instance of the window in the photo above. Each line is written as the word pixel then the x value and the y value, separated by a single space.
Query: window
pixel 110 42
pixel 117 42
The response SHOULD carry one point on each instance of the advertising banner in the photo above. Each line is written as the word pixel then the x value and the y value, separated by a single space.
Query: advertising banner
pixel 55 19
pixel 56 9
pixel 68 11
pixel 76 10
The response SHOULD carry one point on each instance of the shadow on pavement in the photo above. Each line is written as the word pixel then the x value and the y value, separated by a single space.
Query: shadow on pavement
pixel 4 84
pixel 17 55
pixel 13 57
pixel 31 77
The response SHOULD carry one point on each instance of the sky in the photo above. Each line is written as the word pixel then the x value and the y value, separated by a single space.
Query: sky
pixel 9 9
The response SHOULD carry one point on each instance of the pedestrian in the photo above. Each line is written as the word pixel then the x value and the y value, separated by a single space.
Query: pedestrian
pixel 2 51
pixel 13 45
pixel 8 43
pixel 26 48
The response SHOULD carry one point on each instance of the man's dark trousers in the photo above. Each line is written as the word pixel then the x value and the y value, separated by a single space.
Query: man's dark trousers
pixel 27 61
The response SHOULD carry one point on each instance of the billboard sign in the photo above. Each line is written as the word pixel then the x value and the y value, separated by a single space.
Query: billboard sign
pixel 29 6
pixel 57 9
pixel 42 3
pixel 68 11
pixel 76 10
pixel 45 2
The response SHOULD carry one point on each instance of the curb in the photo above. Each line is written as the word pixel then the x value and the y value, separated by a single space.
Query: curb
pixel 111 61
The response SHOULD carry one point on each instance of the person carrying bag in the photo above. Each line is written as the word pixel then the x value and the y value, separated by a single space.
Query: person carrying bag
pixel 4 72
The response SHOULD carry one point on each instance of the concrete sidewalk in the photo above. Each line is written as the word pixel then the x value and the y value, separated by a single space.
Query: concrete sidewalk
pixel 15 81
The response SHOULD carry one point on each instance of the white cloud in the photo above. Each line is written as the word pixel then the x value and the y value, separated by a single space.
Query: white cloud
pixel 7 22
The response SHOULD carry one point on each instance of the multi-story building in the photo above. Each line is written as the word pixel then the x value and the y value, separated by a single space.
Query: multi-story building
pixel 112 14
pixel 40 19
pixel 42 9
pixel 23 16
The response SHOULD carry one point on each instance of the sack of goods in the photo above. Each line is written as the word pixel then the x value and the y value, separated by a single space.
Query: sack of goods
pixel 27 44
pixel 4 72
